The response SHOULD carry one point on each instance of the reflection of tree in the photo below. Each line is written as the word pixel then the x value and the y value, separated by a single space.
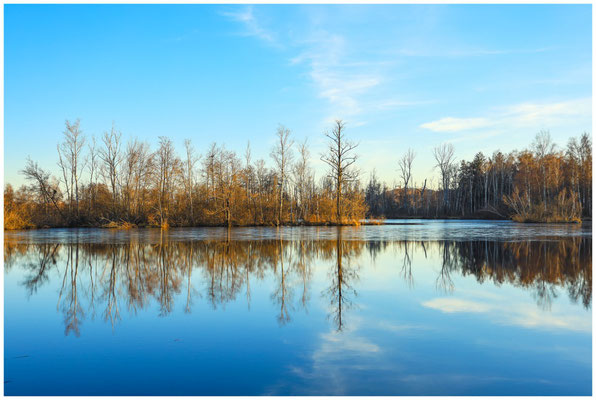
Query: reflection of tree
pixel 444 282
pixel 46 257
pixel 544 294
pixel 223 261
pixel 303 268
pixel 406 269
pixel 539 265
pixel 283 293
pixel 136 272
pixel 71 306
pixel 340 292
pixel 188 266
pixel 375 247
pixel 111 312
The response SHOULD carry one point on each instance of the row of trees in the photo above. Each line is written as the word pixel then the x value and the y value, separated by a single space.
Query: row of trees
pixel 109 183
pixel 543 183
pixel 114 278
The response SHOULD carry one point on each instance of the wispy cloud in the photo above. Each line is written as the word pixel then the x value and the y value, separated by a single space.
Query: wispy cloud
pixel 353 86
pixel 533 113
pixel 337 77
pixel 434 51
pixel 252 27
pixel 350 82
pixel 450 124
pixel 388 104
pixel 517 116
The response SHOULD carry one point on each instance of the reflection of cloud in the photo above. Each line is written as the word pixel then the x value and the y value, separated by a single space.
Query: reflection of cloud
pixel 513 314
pixel 391 327
pixel 568 350
pixel 450 305
pixel 335 342
pixel 329 372
pixel 529 317
pixel 439 384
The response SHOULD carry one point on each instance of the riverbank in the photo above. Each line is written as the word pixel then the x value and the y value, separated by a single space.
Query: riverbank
pixel 368 222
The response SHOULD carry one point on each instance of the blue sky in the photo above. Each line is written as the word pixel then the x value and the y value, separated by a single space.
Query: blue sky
pixel 483 77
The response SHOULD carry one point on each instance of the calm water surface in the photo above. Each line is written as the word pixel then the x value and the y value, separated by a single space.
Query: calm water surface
pixel 421 307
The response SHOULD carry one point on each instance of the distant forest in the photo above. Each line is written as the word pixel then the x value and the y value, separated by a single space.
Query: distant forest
pixel 110 183
pixel 544 183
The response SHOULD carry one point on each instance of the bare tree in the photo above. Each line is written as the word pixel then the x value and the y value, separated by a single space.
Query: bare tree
pixel 444 155
pixel 64 168
pixel 405 167
pixel 69 152
pixel 167 165
pixel 143 175
pixel 543 146
pixel 111 156
pixel 209 169
pixel 302 177
pixel 249 182
pixel 340 158
pixel 92 166
pixel 282 155
pixel 226 169
pixel 46 191
pixel 189 167
pixel 134 167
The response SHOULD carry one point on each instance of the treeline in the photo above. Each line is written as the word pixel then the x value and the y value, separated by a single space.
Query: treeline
pixel 543 183
pixel 132 275
pixel 110 183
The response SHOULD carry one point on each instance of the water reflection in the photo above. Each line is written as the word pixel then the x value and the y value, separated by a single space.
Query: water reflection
pixel 110 277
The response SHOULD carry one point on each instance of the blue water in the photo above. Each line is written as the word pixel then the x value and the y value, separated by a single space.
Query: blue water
pixel 419 308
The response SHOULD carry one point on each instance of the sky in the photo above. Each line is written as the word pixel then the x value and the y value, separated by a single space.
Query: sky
pixel 482 77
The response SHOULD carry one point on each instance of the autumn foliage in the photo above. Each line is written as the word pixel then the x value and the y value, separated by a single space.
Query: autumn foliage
pixel 108 183
pixel 541 184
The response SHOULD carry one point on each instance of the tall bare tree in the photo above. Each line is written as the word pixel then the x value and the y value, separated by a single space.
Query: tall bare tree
pixel 167 165
pixel 189 176
pixel 405 168
pixel 283 156
pixel 340 158
pixel 92 166
pixel 111 156
pixel 302 177
pixel 70 160
pixel 445 158
pixel 543 146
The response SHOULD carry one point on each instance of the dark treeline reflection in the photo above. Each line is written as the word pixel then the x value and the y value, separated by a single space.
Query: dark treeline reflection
pixel 105 279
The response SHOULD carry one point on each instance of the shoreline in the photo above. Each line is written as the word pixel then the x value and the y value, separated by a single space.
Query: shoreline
pixel 370 222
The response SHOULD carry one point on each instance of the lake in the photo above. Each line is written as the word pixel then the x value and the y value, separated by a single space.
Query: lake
pixel 417 308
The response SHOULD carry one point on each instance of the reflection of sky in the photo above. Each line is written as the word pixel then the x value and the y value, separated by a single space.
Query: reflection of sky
pixel 400 337
pixel 480 339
